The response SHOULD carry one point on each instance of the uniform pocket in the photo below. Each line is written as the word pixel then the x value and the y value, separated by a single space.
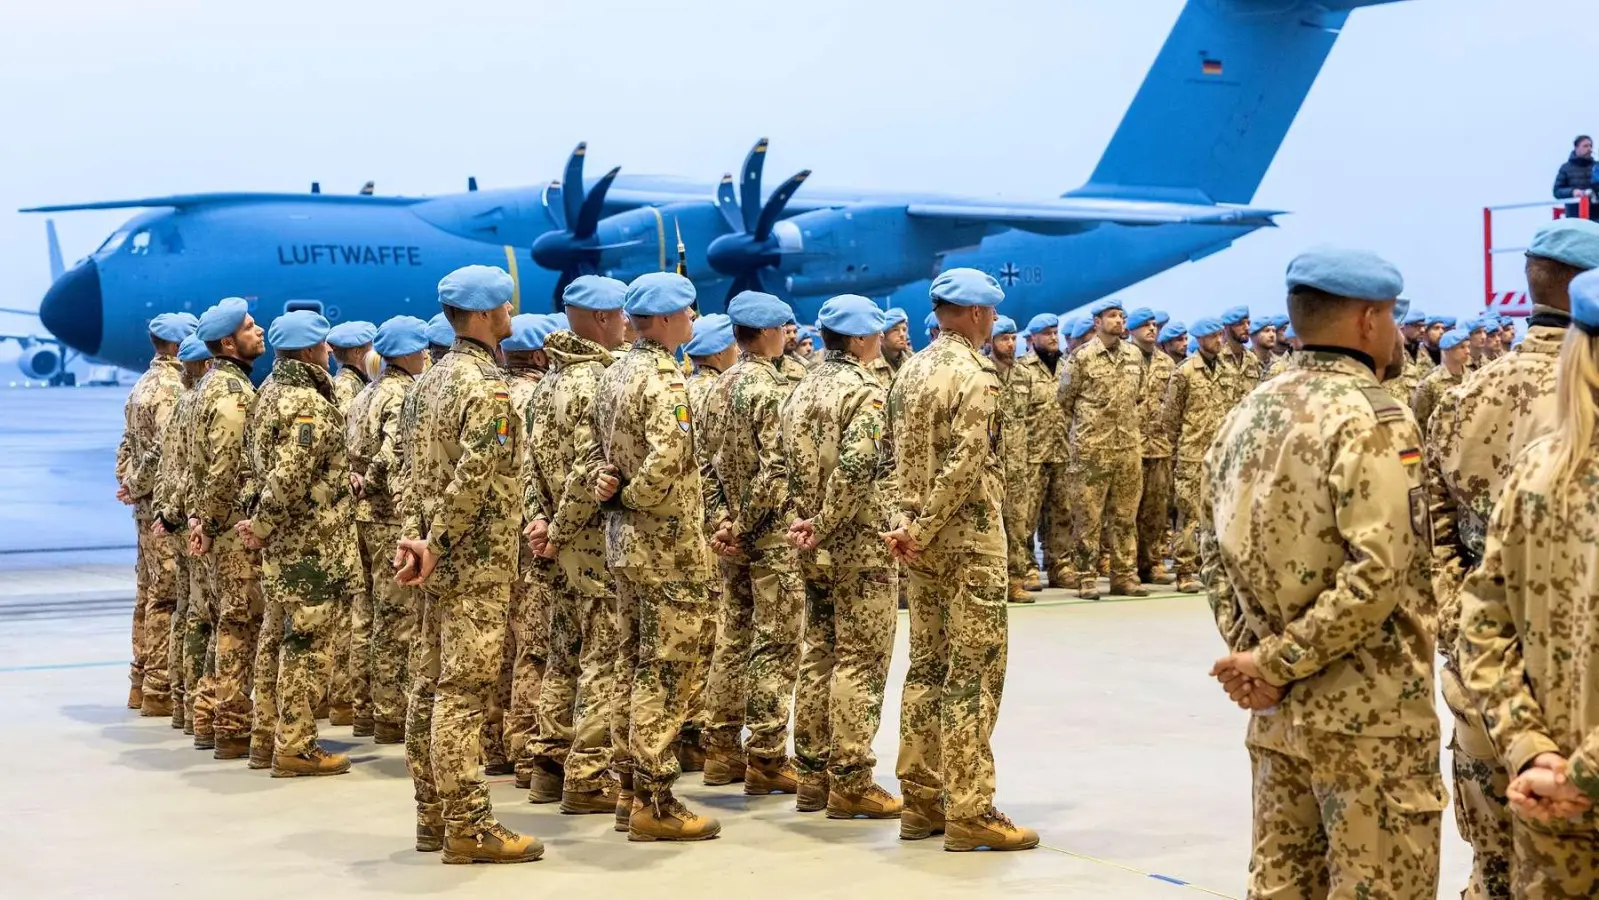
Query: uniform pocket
pixel 1417 795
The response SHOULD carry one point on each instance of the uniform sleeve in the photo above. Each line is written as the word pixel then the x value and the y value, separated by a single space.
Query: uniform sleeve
pixel 482 453
pixel 1225 606
pixel 1423 400
pixel 142 471
pixel 710 429
pixel 1492 666
pixel 383 450
pixel 1449 561
pixel 125 446
pixel 849 485
pixel 668 454
pixel 1071 385
pixel 1175 404
pixel 166 489
pixel 219 489
pixel 410 506
pixel 766 495
pixel 575 506
pixel 1369 491
pixel 958 472
pixel 533 505
pixel 296 458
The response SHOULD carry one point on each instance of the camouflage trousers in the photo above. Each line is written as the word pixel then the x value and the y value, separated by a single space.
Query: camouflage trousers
pixel 699 710
pixel 660 618
pixel 234 615
pixel 264 697
pixel 1185 488
pixel 838 703
pixel 455 662
pixel 355 686
pixel 157 597
pixel 1482 812
pixel 757 654
pixel 293 666
pixel 577 704
pixel 1556 865
pixel 1341 816
pixel 141 597
pixel 958 637
pixel 1047 513
pixel 1108 491
pixel 1018 506
pixel 1154 513
pixel 199 648
pixel 394 624
pixel 177 666
pixel 513 715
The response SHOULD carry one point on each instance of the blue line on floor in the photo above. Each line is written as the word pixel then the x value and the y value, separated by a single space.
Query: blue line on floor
pixel 77 665
pixel 1168 878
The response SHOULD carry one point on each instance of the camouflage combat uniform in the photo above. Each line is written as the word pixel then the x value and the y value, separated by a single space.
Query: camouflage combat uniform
pixel 792 367
pixel 575 708
pixel 169 505
pixel 943 423
pixel 302 517
pixel 1048 490
pixel 1099 394
pixel 148 408
pixel 351 684
pixel 464 500
pixel 1196 399
pixel 840 477
pixel 221 486
pixel 1314 535
pixel 656 548
pixel 1429 390
pixel 707 416
pixel 764 604
pixel 1477 430
pixel 1154 503
pixel 1244 372
pixel 375 455
pixel 1015 401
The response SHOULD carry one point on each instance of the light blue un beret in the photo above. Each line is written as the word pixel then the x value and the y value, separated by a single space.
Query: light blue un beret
pixel 1140 317
pixel 658 294
pixel 754 309
pixel 1171 331
pixel 349 335
pixel 297 330
pixel 1440 319
pixel 1206 326
pixel 852 315
pixel 1104 306
pixel 966 287
pixel 1356 274
pixel 1288 333
pixel 1452 339
pixel 528 332
pixel 894 316
pixel 1162 317
pixel 930 322
pixel 1041 322
pixel 193 349
pixel 222 320
pixel 401 336
pixel 1193 345
pixel 1574 242
pixel 173 327
pixel 440 332
pixel 477 288
pixel 1003 325
pixel 1081 327
pixel 712 335
pixel 1474 324
pixel 1415 317
pixel 594 292
pixel 1235 315
pixel 1585 302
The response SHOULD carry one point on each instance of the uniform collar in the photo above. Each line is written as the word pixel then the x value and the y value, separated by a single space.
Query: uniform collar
pixel 1325 358
pixel 396 372
pixel 164 361
pixel 356 371
pixel 474 347
pixel 299 374
pixel 1544 340
pixel 243 368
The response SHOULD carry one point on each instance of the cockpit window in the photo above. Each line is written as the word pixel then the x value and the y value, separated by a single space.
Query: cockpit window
pixel 113 242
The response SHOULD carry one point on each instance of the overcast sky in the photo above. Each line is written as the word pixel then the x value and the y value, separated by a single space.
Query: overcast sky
pixel 1426 111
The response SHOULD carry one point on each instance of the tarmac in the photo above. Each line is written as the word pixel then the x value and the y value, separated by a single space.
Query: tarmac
pixel 1112 742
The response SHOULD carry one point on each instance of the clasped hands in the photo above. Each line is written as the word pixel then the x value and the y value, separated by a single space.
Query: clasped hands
pixel 1244 683
pixel 1543 792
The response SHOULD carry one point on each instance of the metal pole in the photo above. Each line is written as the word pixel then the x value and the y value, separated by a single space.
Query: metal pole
pixel 1487 257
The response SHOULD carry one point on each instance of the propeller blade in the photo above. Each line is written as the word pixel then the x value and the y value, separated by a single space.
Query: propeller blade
pixel 554 204
pixel 774 206
pixel 749 189
pixel 728 204
pixel 588 217
pixel 774 283
pixel 573 196
pixel 567 277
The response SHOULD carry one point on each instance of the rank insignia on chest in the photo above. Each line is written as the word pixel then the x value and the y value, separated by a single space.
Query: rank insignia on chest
pixel 681 414
pixel 502 429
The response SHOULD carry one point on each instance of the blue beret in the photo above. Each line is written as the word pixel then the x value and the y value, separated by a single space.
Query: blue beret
pixel 349 335
pixel 401 336
pixel 894 316
pixel 807 333
pixel 222 320
pixel 173 327
pixel 1356 274
pixel 1414 317
pixel 966 287
pixel 1171 331
pixel 1288 333
pixel 1081 327
pixel 1140 317
pixel 658 294
pixel 1440 319
pixel 594 292
pixel 1574 242
pixel 1452 339
pixel 1206 326
pixel 853 315
pixel 193 349
pixel 1585 302
pixel 440 332
pixel 1104 306
pixel 1042 321
pixel 1401 309
pixel 753 309
pixel 476 288
pixel 297 330
pixel 930 322
pixel 1193 345
pixel 1003 325
pixel 1162 317
pixel 712 335
pixel 1235 315
pixel 1474 324
pixel 562 323
pixel 528 332
pixel 1256 326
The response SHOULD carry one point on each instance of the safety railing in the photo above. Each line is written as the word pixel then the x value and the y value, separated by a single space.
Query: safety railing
pixel 1516 303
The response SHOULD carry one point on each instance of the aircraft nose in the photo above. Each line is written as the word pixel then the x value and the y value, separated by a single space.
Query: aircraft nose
pixel 72 309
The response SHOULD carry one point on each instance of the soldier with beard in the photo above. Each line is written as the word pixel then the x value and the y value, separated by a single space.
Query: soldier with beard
pixel 1044 485
pixel 1154 503
pixel 895 347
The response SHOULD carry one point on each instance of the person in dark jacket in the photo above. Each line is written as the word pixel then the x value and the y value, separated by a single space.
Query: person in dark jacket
pixel 1575 178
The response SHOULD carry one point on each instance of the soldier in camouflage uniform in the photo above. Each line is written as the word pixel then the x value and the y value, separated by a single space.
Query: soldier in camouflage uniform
pixel 1477 430
pixel 841 481
pixel 458 545
pixel 760 619
pixel 1429 353
pixel 1526 649
pixel 944 427
pixel 299 524
pixel 1440 380
pixel 1014 403
pixel 1197 398
pixel 350 689
pixel 1154 501
pixel 894 347
pixel 790 363
pixel 147 412
pixel 1046 486
pixel 569 754
pixel 647 479
pixel 1242 369
pixel 221 486
pixel 1317 474
pixel 1099 394
pixel 375 460
pixel 1174 341
pixel 441 337
pixel 1414 331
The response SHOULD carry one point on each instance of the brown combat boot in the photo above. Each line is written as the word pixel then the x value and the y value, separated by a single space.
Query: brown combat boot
pixel 812 795
pixel 231 748
pixel 1062 578
pixel 659 816
pixel 321 711
pixel 1088 589
pixel 624 801
pixel 499 767
pixel 363 727
pixel 545 785
pixel 1018 594
pixel 317 762
pixel 724 766
pixel 1031 582
pixel 388 733
pixel 989 831
pixel 1157 575
pixel 429 828
pixel 921 819
pixel 770 776
pixel 876 803
pixel 495 844
pixel 260 751
pixel 1188 584
pixel 584 803
pixel 135 697
pixel 151 707
pixel 1128 589
pixel 204 740
pixel 341 714
pixel 690 756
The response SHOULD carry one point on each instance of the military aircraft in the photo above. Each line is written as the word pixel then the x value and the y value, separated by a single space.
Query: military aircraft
pixel 1173 186
pixel 43 358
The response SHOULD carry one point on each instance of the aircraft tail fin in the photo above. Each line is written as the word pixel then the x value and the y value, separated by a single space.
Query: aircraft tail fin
pixel 56 266
pixel 1218 100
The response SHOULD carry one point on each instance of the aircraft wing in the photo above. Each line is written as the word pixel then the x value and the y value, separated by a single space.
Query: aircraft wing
pixel 216 198
pixel 1075 214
